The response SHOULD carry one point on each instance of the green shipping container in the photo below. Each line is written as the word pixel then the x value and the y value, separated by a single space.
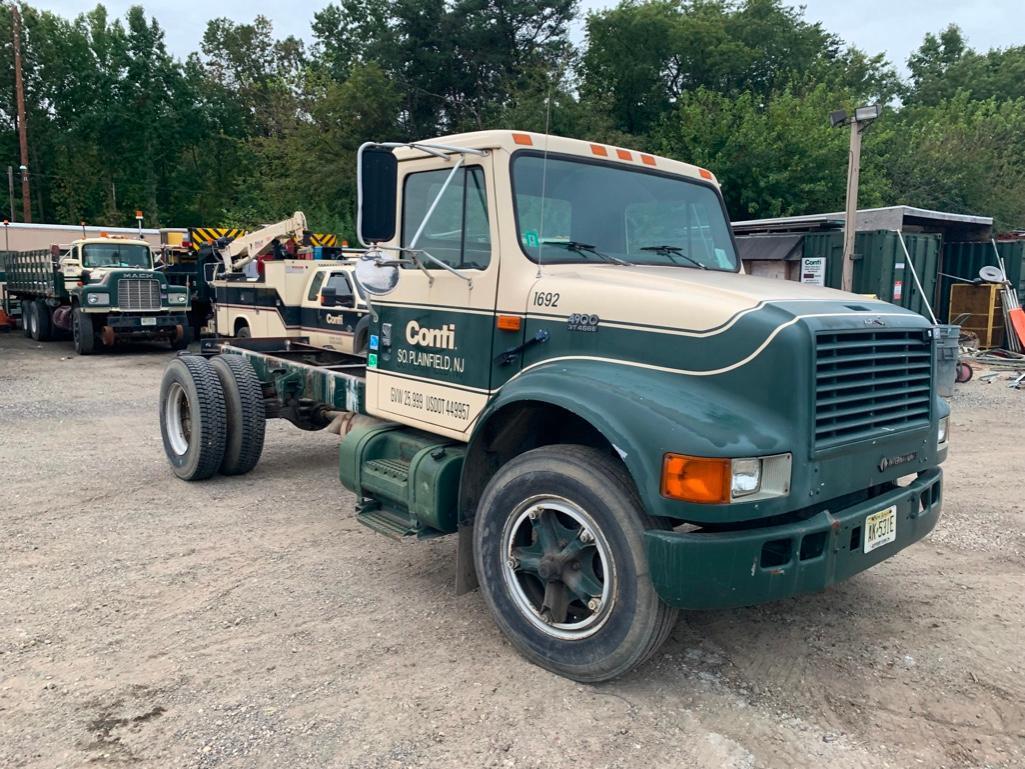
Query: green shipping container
pixel 964 260
pixel 880 265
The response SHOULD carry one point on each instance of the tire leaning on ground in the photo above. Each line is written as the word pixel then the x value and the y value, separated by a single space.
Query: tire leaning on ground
pixel 82 332
pixel 559 553
pixel 193 424
pixel 246 415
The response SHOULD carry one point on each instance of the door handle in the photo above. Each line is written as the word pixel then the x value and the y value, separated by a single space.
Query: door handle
pixel 509 356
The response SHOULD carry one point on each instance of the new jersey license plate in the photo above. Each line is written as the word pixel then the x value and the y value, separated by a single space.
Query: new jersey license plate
pixel 880 528
pixel 149 321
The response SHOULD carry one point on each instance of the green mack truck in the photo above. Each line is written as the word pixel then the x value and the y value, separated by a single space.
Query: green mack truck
pixel 568 370
pixel 98 290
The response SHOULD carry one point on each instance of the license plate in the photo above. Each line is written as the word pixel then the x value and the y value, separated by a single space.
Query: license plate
pixel 880 528
pixel 149 321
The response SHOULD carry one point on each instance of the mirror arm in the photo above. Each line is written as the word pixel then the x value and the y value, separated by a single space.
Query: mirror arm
pixel 434 204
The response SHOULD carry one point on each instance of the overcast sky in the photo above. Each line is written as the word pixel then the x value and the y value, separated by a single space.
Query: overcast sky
pixel 893 26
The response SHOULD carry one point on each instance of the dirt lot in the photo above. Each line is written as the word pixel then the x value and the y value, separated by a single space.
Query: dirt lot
pixel 253 623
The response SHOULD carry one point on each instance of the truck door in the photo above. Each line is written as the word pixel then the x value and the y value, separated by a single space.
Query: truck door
pixel 429 361
pixel 329 310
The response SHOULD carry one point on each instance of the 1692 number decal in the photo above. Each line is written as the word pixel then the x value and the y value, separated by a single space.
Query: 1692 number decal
pixel 546 298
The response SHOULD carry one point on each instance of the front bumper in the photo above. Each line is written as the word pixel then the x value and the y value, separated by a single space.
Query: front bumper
pixel 141 326
pixel 695 570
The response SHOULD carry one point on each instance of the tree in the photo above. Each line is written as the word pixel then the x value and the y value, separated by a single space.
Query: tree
pixel 642 57
pixel 778 160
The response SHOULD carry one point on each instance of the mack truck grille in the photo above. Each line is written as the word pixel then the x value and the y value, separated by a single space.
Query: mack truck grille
pixel 869 383
pixel 138 294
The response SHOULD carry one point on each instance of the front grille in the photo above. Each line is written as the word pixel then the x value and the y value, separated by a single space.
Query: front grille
pixel 869 383
pixel 138 294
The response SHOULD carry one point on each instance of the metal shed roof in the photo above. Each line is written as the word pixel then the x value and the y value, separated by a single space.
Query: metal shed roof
pixel 889 218
pixel 770 248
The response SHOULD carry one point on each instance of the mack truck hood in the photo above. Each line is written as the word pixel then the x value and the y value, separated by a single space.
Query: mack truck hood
pixel 685 299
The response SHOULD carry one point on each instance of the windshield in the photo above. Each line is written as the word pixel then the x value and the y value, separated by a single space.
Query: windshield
pixel 116 255
pixel 605 213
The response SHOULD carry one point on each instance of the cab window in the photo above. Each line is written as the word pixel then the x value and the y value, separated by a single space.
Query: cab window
pixel 458 232
pixel 340 283
pixel 315 284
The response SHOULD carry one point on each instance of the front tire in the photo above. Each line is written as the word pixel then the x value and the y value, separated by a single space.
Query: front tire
pixel 246 415
pixel 193 423
pixel 559 553
pixel 82 332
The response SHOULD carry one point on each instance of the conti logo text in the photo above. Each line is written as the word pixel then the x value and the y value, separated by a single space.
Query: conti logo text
pixel 444 337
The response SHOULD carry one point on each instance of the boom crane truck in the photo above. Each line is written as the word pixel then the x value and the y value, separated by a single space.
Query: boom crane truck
pixel 318 300
pixel 568 370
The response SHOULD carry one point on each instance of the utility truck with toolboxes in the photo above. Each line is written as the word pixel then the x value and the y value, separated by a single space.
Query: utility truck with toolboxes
pixel 98 290
pixel 568 370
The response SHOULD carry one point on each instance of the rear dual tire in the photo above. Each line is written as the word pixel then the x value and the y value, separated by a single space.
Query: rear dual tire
pixel 211 416
pixel 36 320
pixel 245 413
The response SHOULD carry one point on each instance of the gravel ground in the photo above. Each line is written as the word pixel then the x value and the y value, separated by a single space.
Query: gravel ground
pixel 252 622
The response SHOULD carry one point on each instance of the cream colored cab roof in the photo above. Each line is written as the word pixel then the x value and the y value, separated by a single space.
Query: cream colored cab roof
pixel 510 141
pixel 107 241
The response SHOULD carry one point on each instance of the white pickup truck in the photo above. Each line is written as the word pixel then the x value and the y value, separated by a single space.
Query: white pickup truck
pixel 296 298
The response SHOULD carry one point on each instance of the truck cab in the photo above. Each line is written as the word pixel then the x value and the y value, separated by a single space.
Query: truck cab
pixel 318 300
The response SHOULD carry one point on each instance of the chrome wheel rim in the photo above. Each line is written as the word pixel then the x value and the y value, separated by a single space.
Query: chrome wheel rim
pixel 178 419
pixel 558 567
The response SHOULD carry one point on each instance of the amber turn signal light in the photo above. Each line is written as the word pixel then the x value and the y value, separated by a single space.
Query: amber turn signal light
pixel 509 322
pixel 696 479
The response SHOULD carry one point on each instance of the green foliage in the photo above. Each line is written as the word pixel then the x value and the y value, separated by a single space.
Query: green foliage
pixel 251 127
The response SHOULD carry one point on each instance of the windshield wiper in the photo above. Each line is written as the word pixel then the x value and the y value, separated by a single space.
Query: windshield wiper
pixel 671 251
pixel 586 248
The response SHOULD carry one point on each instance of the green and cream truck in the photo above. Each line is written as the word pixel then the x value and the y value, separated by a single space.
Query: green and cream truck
pixel 568 370
pixel 98 291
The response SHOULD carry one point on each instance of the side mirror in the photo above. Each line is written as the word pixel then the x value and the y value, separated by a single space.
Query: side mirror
pixel 375 275
pixel 378 172
pixel 328 297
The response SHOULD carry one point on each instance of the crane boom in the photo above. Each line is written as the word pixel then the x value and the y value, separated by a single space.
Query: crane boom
pixel 241 251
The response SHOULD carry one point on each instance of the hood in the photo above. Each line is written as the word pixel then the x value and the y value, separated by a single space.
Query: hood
pixel 686 299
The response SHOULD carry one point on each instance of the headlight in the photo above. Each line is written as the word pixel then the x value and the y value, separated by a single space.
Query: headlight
pixel 942 431
pixel 97 298
pixel 746 477
pixel 178 298
pixel 714 480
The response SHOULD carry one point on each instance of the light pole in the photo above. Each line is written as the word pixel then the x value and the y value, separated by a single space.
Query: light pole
pixel 858 122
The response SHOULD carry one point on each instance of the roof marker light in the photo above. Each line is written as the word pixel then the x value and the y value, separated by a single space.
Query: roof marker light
pixel 648 160
pixel 624 155
pixel 523 139
pixel 705 174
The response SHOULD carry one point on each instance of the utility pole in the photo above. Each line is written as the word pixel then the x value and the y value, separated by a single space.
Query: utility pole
pixel 10 188
pixel 19 90
pixel 858 122
pixel 850 227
